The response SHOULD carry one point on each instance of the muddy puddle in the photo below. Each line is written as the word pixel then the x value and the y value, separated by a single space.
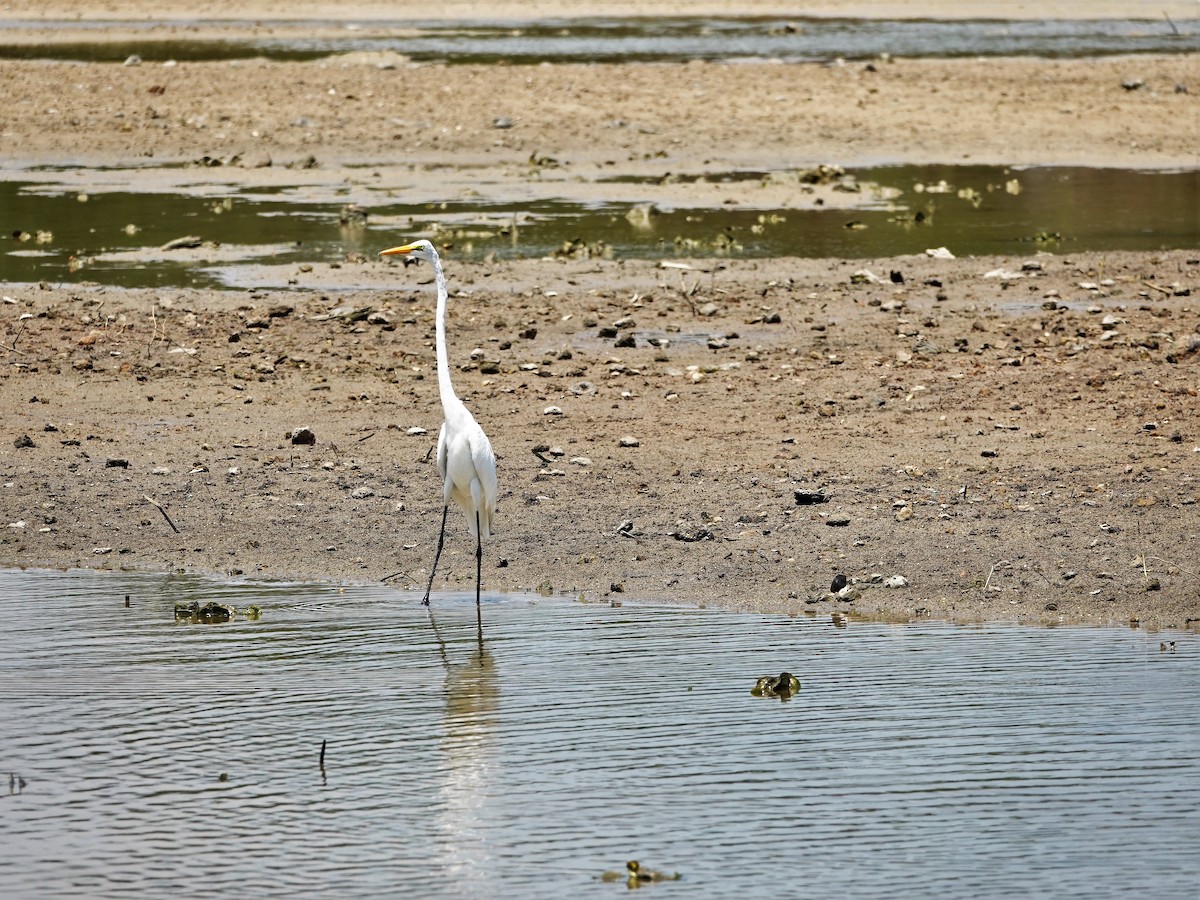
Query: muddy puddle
pixel 123 227
pixel 526 757
pixel 609 40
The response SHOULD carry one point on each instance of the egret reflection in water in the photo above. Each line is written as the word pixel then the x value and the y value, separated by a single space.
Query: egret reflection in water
pixel 472 691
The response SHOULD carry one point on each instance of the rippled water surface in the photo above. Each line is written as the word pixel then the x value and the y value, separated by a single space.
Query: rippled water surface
pixel 522 761
pixel 638 39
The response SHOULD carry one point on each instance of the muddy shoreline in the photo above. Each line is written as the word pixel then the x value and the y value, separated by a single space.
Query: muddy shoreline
pixel 1021 448
pixel 1007 438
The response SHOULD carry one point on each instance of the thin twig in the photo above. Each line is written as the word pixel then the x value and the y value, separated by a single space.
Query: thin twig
pixel 1156 287
pixel 989 578
pixel 17 336
pixel 154 502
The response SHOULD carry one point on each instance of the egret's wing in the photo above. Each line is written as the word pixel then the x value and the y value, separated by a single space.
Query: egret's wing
pixel 484 459
pixel 441 450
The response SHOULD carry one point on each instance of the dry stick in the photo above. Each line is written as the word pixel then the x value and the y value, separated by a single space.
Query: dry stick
pixel 989 578
pixel 1174 27
pixel 17 337
pixel 1156 287
pixel 154 502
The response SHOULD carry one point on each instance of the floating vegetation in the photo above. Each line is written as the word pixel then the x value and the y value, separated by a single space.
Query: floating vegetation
pixel 212 613
pixel 635 875
pixel 782 686
pixel 1044 237
pixel 578 248
pixel 822 174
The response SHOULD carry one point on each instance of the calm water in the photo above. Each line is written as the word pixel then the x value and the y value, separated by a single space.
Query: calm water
pixel 921 760
pixel 650 40
pixel 1059 209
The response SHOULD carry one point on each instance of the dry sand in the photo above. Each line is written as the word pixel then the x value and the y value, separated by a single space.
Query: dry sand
pixel 1013 447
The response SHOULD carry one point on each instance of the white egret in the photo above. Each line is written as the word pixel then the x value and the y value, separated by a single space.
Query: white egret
pixel 464 453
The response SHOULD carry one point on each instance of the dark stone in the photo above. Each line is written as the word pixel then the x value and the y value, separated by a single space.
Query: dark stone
pixel 810 498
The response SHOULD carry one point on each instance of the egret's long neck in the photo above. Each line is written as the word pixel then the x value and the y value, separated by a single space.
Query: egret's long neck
pixel 445 388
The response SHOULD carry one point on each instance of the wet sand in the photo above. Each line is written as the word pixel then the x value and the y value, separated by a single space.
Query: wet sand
pixel 1011 447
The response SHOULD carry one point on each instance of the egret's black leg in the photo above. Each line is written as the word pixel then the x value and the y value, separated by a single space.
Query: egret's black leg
pixel 478 558
pixel 437 555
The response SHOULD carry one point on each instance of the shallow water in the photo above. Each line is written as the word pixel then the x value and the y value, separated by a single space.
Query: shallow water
pixel 972 210
pixel 925 759
pixel 643 40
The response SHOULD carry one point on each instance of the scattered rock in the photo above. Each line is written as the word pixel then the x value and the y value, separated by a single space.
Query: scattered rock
pixel 303 436
pixel 116 462
pixel 629 441
pixel 691 537
pixel 23 442
pixel 362 493
pixel 811 498
pixel 837 521
pixel 839 582
pixel 349 313
pixel 352 216
pixel 895 581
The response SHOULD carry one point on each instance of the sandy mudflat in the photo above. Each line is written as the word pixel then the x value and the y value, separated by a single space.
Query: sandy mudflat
pixel 1013 447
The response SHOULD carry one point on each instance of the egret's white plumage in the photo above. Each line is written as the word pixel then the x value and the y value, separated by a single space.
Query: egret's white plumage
pixel 464 453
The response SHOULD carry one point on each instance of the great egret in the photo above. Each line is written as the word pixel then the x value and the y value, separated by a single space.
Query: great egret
pixel 464 453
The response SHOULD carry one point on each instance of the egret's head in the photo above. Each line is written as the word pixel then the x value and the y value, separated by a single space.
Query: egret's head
pixel 416 250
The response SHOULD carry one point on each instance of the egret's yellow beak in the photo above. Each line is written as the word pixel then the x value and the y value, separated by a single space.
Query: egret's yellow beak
pixel 398 251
